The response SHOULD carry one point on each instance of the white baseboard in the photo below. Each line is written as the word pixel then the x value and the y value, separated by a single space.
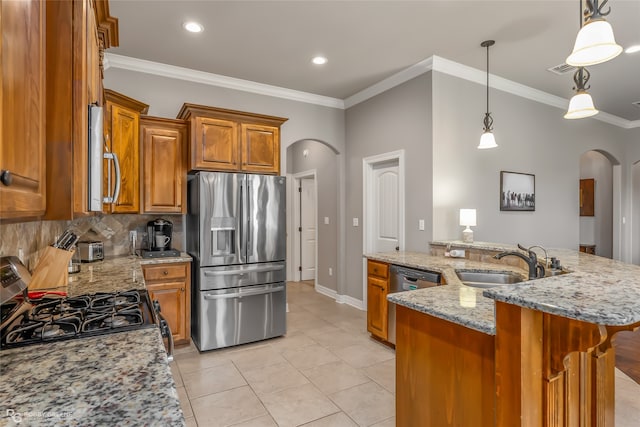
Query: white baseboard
pixel 340 299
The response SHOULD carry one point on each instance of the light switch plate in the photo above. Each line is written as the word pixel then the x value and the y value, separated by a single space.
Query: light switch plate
pixel 421 224
pixel 355 222
pixel 326 220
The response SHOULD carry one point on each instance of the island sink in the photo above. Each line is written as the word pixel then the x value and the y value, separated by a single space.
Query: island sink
pixel 488 279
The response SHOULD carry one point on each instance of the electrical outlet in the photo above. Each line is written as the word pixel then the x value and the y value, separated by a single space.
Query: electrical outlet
pixel 330 271
pixel 355 222
pixel 326 220
pixel 133 235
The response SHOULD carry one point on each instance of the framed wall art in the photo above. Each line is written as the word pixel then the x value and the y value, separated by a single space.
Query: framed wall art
pixel 517 191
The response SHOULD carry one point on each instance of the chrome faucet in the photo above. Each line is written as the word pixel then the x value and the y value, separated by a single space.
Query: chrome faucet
pixel 535 270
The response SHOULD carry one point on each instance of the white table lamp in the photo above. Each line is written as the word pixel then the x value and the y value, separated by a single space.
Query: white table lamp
pixel 467 219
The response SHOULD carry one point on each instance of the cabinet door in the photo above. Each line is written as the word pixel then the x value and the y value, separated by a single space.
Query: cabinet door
pixel 163 167
pixel 23 109
pixel 124 141
pixel 215 144
pixel 172 299
pixel 260 148
pixel 377 312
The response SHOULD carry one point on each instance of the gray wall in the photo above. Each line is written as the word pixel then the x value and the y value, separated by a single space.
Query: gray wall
pixel 598 229
pixel 532 138
pixel 325 162
pixel 399 118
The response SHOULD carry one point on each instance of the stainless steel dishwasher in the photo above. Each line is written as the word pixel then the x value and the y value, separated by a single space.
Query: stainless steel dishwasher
pixel 407 279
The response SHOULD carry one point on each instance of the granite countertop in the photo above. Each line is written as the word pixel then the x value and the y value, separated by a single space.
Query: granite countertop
pixel 115 379
pixel 596 289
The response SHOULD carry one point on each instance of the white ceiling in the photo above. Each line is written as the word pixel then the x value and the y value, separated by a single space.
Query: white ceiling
pixel 272 42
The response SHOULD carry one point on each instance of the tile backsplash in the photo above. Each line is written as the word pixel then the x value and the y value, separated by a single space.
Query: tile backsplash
pixel 113 230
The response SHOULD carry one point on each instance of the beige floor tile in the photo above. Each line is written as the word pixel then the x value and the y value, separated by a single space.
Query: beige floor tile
pixel 227 408
pixel 390 422
pixel 212 380
pixel 191 362
pixel 185 404
pixel 190 422
pixel 320 330
pixel 298 405
pixel 383 373
pixel 335 420
pixel 366 404
pixel 263 421
pixel 273 378
pixel 310 356
pixel 292 341
pixel 627 401
pixel 256 357
pixel 175 373
pixel 185 348
pixel 339 338
pixel 363 355
pixel 335 376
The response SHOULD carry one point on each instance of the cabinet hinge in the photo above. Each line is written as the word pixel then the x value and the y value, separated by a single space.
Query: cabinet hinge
pixel 300 229
pixel 299 189
pixel 300 268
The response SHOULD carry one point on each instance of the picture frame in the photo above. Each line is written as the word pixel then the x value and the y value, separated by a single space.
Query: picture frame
pixel 517 191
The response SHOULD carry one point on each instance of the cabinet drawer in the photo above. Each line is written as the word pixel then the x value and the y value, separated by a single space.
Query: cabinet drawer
pixel 379 269
pixel 164 272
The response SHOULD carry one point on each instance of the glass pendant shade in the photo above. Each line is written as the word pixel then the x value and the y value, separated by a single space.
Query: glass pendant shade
pixel 487 140
pixel 595 44
pixel 581 106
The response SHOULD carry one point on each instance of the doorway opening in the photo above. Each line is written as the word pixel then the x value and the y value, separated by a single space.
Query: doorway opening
pixel 635 213
pixel 383 195
pixel 306 225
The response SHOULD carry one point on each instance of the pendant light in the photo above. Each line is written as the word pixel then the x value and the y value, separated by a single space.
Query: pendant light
pixel 581 105
pixel 595 42
pixel 487 140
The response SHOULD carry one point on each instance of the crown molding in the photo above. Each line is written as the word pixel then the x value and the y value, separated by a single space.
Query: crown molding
pixel 181 73
pixel 433 63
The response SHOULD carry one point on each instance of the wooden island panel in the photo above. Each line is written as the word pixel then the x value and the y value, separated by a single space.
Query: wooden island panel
pixel 444 373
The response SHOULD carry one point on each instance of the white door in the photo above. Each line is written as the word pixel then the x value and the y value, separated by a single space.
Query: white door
pixel 385 207
pixel 308 229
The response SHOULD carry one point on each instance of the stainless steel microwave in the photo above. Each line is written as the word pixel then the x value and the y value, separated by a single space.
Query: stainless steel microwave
pixel 97 152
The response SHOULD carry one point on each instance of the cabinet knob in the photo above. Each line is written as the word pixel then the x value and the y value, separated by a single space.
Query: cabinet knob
pixel 181 289
pixel 165 272
pixel 5 177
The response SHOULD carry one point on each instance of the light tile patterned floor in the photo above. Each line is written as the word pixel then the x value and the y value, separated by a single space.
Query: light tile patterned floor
pixel 326 372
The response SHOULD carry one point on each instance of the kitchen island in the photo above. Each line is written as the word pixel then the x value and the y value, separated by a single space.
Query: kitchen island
pixel 115 379
pixel 540 350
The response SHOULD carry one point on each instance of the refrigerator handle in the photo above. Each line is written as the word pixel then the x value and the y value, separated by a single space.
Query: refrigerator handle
pixel 241 221
pixel 249 219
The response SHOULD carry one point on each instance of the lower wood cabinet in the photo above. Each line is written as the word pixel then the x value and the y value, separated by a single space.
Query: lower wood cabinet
pixel 170 285
pixel 377 304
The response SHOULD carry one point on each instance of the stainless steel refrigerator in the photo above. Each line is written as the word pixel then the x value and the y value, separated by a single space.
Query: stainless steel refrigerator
pixel 236 234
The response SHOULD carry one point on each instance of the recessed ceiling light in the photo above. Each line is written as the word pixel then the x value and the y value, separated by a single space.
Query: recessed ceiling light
pixel 193 27
pixel 633 49
pixel 319 60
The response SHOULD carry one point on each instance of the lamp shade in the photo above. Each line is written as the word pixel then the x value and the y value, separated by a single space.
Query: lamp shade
pixel 581 106
pixel 468 217
pixel 595 44
pixel 487 140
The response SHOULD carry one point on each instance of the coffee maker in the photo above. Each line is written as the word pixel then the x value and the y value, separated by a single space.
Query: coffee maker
pixel 159 235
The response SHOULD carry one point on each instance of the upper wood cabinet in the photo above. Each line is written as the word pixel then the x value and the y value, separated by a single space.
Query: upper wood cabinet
pixel 164 183
pixel 122 136
pixel 228 140
pixel 78 31
pixel 22 107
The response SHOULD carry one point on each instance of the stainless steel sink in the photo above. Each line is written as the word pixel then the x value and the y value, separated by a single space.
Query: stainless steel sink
pixel 488 279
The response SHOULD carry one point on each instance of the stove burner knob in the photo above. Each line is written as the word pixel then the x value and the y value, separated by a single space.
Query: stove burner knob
pixel 156 305
pixel 164 328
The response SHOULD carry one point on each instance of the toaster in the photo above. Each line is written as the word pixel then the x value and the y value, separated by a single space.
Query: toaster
pixel 91 251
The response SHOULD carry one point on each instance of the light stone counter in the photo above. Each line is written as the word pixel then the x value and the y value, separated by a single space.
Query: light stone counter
pixel 108 380
pixel 596 290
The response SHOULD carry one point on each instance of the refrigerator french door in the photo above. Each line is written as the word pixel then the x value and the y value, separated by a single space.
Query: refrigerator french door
pixel 236 234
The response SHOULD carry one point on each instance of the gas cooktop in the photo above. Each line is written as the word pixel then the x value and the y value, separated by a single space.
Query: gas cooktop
pixel 53 319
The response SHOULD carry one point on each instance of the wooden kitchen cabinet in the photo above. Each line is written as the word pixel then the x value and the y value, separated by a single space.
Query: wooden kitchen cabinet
pixel 164 183
pixel 122 136
pixel 22 107
pixel 170 285
pixel 78 31
pixel 377 305
pixel 228 140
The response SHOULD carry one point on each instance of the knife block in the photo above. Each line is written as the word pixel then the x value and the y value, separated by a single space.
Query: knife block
pixel 51 272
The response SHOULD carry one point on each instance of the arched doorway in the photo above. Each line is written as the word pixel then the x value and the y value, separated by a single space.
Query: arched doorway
pixel 312 168
pixel 598 228
pixel 635 213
